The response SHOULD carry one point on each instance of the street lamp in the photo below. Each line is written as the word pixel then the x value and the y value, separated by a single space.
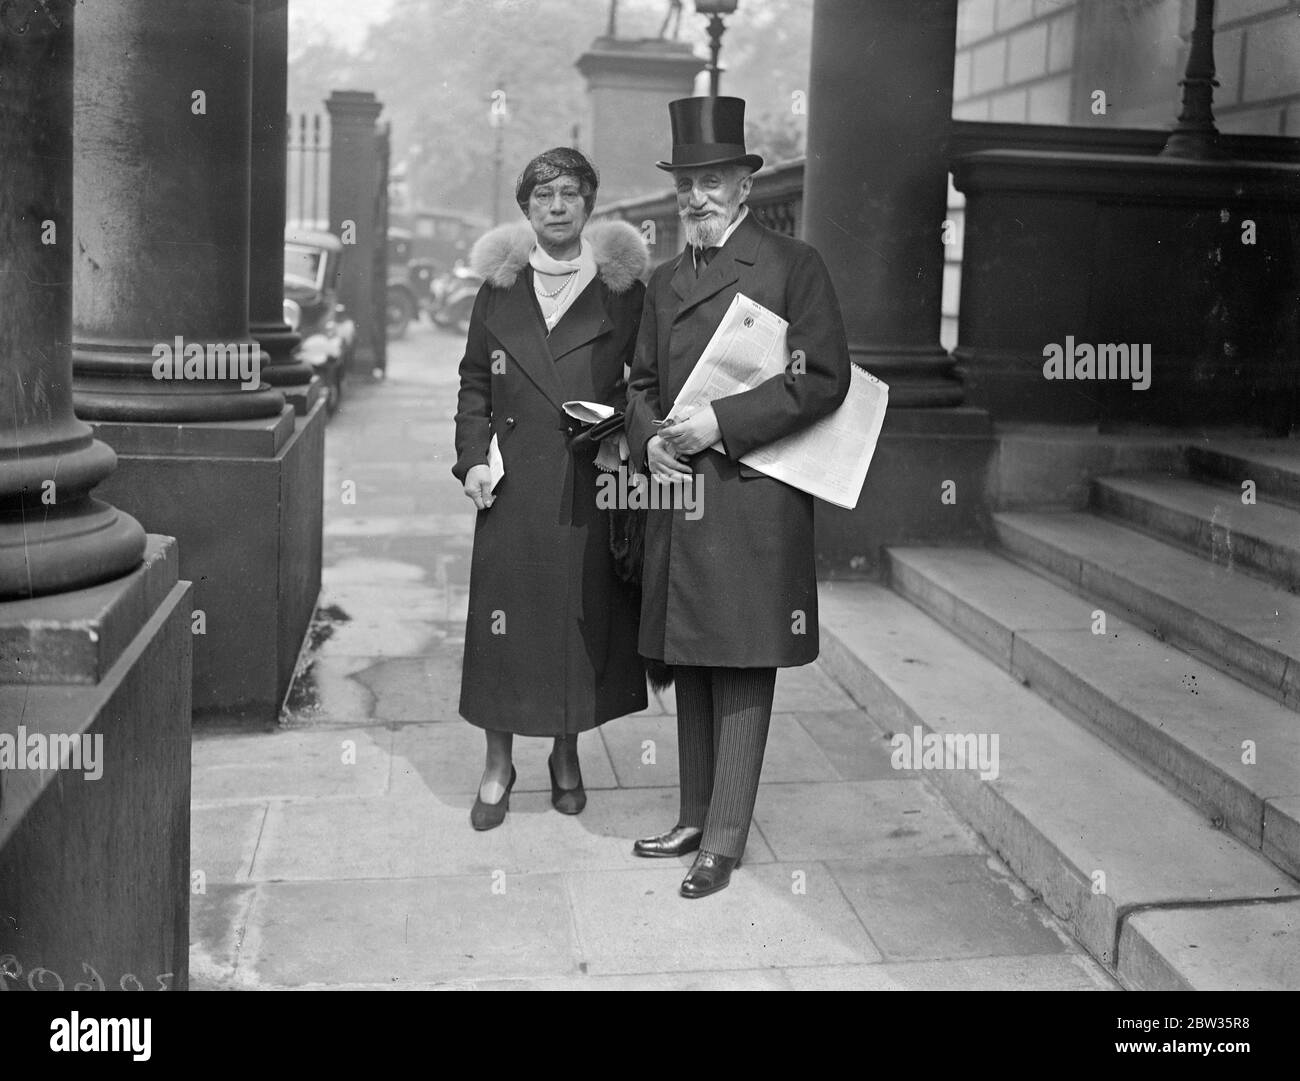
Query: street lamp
pixel 1195 135
pixel 715 9
pixel 498 115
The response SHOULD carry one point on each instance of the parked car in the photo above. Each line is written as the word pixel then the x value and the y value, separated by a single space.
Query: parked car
pixel 407 294
pixel 453 298
pixel 312 262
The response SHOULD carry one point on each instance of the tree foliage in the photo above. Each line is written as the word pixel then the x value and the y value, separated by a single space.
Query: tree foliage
pixel 435 66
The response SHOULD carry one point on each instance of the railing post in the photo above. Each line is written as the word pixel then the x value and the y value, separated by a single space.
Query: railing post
pixel 353 180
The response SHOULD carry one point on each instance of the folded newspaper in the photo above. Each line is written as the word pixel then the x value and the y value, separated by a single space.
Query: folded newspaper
pixel 829 458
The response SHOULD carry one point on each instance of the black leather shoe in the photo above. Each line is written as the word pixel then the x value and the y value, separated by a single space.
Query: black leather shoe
pixel 678 841
pixel 568 801
pixel 487 816
pixel 708 874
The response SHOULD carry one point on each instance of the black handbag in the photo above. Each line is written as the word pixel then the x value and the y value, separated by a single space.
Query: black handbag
pixel 626 540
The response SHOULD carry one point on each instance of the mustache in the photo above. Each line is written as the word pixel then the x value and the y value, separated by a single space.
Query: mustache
pixel 713 210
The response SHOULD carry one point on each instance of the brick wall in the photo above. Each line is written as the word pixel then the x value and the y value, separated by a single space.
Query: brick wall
pixel 1041 61
pixel 1257 57
pixel 1014 59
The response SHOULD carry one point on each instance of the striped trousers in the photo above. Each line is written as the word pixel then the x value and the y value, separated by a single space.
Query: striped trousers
pixel 722 720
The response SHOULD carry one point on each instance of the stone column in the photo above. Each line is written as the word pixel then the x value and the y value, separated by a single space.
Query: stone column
pixel 162 150
pixel 94 626
pixel 53 535
pixel 875 186
pixel 875 198
pixel 354 176
pixel 630 84
pixel 162 189
pixel 294 378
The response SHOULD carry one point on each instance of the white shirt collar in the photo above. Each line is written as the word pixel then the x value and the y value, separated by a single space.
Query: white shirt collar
pixel 744 211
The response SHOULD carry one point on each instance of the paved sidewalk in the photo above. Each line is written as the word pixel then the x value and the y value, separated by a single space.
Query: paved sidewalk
pixel 337 852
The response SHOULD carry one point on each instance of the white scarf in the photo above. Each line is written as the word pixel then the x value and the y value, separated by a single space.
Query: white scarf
pixel 581 271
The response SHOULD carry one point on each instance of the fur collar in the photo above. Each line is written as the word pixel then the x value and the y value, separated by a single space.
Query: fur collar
pixel 621 253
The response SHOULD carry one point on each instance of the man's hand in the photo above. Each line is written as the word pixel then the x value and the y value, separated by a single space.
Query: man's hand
pixel 478 486
pixel 663 463
pixel 690 436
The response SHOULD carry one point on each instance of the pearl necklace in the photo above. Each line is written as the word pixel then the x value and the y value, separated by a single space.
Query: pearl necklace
pixel 568 280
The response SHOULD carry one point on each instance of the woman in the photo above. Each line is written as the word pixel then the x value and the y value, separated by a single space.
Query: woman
pixel 550 640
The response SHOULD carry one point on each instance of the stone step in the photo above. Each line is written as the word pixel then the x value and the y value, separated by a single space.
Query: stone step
pixel 1186 723
pixel 1238 948
pixel 1092 833
pixel 1273 464
pixel 1262 536
pixel 1247 627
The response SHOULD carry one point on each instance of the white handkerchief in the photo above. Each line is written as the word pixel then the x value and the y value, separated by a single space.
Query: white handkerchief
pixel 589 412
pixel 496 467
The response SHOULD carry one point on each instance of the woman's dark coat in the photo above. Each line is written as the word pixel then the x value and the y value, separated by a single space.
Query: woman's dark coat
pixel 550 640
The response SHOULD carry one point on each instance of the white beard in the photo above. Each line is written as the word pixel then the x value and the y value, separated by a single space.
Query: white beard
pixel 706 233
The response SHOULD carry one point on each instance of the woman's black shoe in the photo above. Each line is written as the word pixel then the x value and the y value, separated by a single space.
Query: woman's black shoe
pixel 568 801
pixel 678 841
pixel 486 816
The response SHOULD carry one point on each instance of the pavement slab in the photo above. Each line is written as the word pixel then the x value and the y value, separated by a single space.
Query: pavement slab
pixel 224 840
pixel 854 745
pixel 218 922
pixel 408 930
pixel 1042 972
pixel 920 908
pixel 338 690
pixel 859 819
pixel 807 689
pixel 633 921
pixel 290 764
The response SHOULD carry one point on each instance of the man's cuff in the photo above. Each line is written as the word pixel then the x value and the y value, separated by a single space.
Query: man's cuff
pixel 720 415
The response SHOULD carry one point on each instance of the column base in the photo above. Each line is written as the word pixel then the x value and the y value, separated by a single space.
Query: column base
pixel 94 869
pixel 907 498
pixel 919 377
pixel 302 394
pixel 295 379
pixel 244 501
pixel 76 547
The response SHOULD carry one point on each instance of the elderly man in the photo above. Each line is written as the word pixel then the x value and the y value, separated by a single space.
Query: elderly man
pixel 729 595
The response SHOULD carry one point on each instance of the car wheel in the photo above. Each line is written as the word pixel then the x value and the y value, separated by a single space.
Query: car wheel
pixel 400 313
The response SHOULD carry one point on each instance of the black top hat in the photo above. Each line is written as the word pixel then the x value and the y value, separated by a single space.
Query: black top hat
pixel 708 131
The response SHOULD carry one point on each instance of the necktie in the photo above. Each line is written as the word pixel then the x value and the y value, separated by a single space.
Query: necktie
pixel 702 257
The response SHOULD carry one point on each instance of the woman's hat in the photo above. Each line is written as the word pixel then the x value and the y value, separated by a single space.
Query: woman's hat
pixel 708 131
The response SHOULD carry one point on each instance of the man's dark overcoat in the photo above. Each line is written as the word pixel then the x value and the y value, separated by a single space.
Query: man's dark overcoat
pixel 737 586
pixel 550 638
